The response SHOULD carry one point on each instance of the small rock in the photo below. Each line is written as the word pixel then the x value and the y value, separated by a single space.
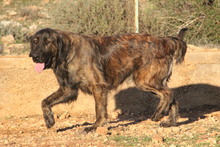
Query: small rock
pixel 1 48
pixel 3 17
pixel 7 40
pixel 43 143
pixel 150 132
pixel 176 129
pixel 56 116
pixel 115 114
pixel 6 23
pixel 215 133
pixel 161 129
pixel 183 119
pixel 6 51
pixel 45 2
pixel 114 132
pixel 172 145
pixel 207 140
pixel 65 115
pixel 15 47
pixel 6 142
pixel 32 28
pixel 157 139
pixel 12 13
pixel 102 130
pixel 167 130
pixel 212 140
pixel 30 11
pixel 6 2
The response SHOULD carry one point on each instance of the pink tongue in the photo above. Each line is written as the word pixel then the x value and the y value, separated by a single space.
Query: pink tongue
pixel 39 67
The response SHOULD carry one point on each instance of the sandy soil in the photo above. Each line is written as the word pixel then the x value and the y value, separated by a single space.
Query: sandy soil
pixel 196 85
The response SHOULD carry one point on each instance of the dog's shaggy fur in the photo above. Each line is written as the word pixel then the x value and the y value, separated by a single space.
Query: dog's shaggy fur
pixel 97 64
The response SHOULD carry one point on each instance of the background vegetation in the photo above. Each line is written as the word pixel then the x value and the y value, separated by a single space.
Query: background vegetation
pixel 158 17
pixel 107 17
pixel 104 17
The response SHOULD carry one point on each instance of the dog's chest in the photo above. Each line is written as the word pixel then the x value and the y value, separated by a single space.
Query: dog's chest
pixel 73 78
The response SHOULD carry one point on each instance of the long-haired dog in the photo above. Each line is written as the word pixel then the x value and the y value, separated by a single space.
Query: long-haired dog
pixel 97 64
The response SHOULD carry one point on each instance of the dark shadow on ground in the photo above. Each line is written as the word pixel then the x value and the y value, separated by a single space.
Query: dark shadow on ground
pixel 73 126
pixel 194 100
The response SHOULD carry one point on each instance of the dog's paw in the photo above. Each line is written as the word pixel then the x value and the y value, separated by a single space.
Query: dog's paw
pixel 50 123
pixel 156 117
pixel 49 120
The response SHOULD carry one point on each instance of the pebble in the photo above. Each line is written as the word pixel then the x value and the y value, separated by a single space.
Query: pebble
pixel 65 115
pixel 157 139
pixel 176 129
pixel 102 130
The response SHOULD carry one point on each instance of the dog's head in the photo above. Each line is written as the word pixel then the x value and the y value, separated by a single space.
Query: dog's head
pixel 45 46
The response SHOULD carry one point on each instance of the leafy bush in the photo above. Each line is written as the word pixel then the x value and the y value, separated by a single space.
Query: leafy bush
pixel 158 17
pixel 12 28
pixel 108 17
pixel 166 17
pixel 103 17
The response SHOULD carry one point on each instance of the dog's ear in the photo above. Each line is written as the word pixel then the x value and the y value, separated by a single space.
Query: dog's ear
pixel 62 53
pixel 66 52
pixel 29 37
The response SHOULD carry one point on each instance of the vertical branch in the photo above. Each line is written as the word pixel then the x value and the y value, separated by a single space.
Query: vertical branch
pixel 136 17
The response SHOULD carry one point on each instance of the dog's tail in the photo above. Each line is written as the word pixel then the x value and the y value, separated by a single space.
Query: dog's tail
pixel 182 33
pixel 182 48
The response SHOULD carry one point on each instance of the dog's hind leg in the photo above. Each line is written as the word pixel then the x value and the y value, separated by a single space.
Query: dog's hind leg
pixel 154 78
pixel 62 95
pixel 166 105
pixel 165 100
pixel 173 115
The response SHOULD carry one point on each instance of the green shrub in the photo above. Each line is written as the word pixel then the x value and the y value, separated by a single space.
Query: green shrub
pixel 158 17
pixel 103 17
pixel 166 17
pixel 16 31
pixel 108 17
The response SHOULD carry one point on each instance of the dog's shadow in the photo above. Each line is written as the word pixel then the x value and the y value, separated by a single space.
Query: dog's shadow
pixel 194 101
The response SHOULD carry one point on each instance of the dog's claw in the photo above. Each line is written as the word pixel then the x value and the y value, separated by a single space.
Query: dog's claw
pixel 156 117
pixel 167 124
pixel 90 129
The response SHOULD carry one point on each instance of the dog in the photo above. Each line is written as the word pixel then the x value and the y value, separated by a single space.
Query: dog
pixel 98 64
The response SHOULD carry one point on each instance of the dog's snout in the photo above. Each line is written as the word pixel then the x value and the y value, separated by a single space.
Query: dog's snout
pixel 30 55
pixel 34 56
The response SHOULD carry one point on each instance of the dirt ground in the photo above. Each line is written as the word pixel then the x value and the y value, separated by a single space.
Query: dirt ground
pixel 196 85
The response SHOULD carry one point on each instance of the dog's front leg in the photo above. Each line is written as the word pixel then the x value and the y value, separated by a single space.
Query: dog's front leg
pixel 62 95
pixel 100 95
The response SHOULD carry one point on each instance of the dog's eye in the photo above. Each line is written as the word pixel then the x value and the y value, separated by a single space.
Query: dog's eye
pixel 35 41
pixel 48 40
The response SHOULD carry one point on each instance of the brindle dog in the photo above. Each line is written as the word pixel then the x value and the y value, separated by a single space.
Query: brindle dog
pixel 97 64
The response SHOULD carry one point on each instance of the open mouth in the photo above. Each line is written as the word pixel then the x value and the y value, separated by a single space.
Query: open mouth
pixel 40 66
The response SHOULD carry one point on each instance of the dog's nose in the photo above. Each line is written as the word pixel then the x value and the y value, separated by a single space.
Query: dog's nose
pixel 34 56
pixel 30 55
